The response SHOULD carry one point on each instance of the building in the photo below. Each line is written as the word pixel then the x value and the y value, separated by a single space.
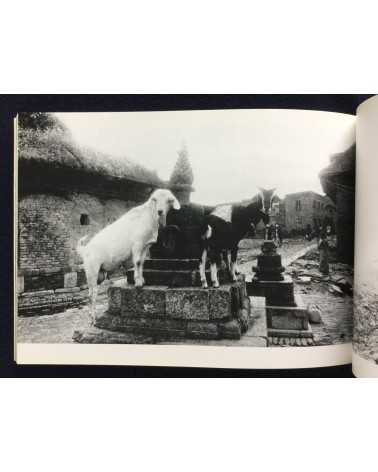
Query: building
pixel 338 182
pixel 277 214
pixel 307 209
pixel 66 192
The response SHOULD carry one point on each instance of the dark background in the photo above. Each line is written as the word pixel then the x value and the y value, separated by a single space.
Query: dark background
pixel 10 105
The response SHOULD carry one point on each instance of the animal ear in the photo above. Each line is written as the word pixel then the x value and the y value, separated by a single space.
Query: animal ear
pixel 176 204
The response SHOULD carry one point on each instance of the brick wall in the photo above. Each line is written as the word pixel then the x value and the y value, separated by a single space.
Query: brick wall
pixel 50 277
pixel 50 227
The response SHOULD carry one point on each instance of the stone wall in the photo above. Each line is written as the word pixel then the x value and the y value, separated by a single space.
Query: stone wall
pixel 50 273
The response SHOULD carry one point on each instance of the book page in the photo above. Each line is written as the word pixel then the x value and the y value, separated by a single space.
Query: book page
pixel 213 238
pixel 365 339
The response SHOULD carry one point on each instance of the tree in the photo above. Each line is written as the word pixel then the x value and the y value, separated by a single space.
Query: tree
pixel 182 172
pixel 40 121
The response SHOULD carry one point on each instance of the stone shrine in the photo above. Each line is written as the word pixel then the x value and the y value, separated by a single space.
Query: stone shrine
pixel 173 305
pixel 286 315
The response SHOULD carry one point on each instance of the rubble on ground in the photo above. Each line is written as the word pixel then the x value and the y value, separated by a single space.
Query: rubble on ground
pixel 305 272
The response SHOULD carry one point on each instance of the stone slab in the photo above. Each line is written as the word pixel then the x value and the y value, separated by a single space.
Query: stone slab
pixel 202 330
pixel 287 318
pixel 149 300
pixel 259 326
pixel 70 279
pixel 230 330
pixel 37 293
pixel 68 290
pixel 142 325
pixel 279 293
pixel 291 318
pixel 188 303
pixel 114 299
pixel 221 302
pixel 291 333
pixel 102 336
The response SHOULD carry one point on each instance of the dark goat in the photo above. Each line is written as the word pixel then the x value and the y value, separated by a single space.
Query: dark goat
pixel 223 229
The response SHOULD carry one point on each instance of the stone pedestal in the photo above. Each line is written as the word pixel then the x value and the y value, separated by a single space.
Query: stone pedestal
pixel 164 313
pixel 285 312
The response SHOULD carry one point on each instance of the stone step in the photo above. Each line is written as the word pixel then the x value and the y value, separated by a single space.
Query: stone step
pixel 177 278
pixel 171 264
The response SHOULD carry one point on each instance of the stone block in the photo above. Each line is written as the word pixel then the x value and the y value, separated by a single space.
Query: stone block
pixel 115 298
pixel 156 327
pixel 220 302
pixel 244 319
pixel 67 290
pixel 70 279
pixel 102 336
pixel 148 300
pixel 187 303
pixel 52 270
pixel 258 314
pixel 202 330
pixel 294 318
pixel 37 293
pixel 20 284
pixel 277 293
pixel 230 330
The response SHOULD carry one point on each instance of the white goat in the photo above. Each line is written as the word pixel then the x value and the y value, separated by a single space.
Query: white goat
pixel 127 239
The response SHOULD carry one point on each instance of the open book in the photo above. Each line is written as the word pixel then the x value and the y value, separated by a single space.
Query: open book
pixel 221 238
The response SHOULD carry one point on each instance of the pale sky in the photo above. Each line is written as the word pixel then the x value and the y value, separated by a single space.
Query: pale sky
pixel 232 152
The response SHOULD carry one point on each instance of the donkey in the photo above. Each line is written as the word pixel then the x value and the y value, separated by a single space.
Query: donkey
pixel 223 229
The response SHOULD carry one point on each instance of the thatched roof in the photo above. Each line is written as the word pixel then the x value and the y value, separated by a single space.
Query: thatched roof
pixel 340 173
pixel 56 149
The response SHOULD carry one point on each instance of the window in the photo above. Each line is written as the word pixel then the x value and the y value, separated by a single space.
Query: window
pixel 84 219
pixel 298 205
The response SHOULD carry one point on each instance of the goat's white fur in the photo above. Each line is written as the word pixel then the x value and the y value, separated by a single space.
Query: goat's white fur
pixel 127 239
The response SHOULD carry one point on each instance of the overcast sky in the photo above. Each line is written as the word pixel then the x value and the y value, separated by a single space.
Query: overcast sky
pixel 232 152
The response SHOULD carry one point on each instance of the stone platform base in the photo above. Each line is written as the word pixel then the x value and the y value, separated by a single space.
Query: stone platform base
pixel 255 336
pixel 48 302
pixel 178 313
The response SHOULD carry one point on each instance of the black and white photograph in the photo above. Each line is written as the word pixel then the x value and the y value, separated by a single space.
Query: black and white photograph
pixel 365 331
pixel 228 228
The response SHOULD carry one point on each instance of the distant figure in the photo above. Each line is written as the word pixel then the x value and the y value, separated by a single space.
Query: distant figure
pixel 308 233
pixel 278 235
pixel 323 246
pixel 268 232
